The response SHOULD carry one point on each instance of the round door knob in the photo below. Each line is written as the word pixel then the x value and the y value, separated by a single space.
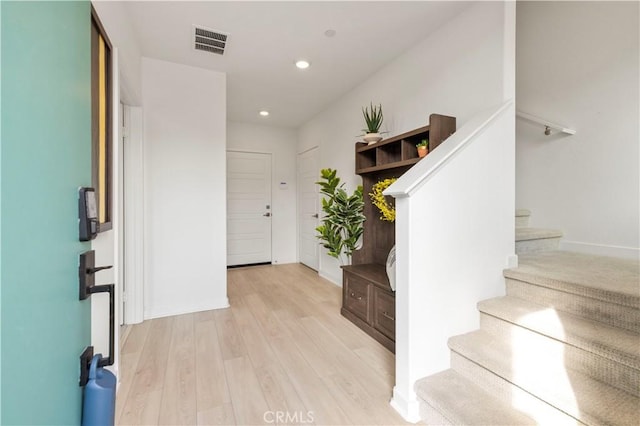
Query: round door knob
pixel 315 215
pixel 267 214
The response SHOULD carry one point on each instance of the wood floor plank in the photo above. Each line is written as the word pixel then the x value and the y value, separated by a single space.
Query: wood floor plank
pixel 212 391
pixel 281 354
pixel 129 357
pixel 249 404
pixel 254 340
pixel 351 398
pixel 313 392
pixel 123 334
pixel 264 315
pixel 277 389
pixel 222 415
pixel 136 338
pixel 379 360
pixel 231 342
pixel 315 356
pixel 350 335
pixel 204 316
pixel 143 400
pixel 128 365
pixel 345 361
pixel 179 391
pixel 142 409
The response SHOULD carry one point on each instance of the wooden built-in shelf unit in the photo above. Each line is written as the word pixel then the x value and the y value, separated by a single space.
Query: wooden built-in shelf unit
pixel 367 298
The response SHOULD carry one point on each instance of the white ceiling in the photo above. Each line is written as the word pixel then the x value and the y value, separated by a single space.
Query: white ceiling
pixel 266 38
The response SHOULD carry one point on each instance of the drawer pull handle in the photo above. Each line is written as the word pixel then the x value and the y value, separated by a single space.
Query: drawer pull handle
pixel 354 296
pixel 386 315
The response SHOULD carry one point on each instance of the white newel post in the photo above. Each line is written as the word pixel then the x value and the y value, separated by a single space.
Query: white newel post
pixel 404 397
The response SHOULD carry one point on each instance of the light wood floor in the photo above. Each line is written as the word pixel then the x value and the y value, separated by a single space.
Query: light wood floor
pixel 282 354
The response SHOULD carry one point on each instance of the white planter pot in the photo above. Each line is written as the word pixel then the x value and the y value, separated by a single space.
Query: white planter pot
pixel 372 138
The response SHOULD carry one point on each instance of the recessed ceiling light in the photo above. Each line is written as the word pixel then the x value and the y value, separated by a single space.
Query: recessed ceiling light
pixel 330 33
pixel 302 64
pixel 264 113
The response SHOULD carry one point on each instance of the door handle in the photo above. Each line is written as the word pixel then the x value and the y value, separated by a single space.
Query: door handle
pixel 86 275
pixel 315 215
pixel 267 214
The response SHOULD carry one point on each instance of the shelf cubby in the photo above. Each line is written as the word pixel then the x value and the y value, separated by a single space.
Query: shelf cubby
pixel 400 151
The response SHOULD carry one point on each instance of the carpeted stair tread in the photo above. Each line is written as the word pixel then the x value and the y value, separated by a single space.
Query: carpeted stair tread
pixel 544 376
pixel 462 402
pixel 610 342
pixel 526 234
pixel 523 212
pixel 604 278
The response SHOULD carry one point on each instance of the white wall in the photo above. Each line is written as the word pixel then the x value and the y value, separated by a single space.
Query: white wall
pixel 456 71
pixel 185 188
pixel 116 23
pixel 281 144
pixel 577 64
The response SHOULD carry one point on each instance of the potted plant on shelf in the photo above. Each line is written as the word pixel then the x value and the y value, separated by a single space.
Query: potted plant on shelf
pixel 373 118
pixel 342 224
pixel 423 148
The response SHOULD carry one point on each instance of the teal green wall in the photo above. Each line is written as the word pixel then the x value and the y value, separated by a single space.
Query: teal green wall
pixel 45 157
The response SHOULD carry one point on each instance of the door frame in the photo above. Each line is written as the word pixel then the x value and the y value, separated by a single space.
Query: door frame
pixel 298 186
pixel 271 156
pixel 134 223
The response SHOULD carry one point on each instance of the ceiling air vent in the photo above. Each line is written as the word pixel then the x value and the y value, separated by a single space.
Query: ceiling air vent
pixel 209 40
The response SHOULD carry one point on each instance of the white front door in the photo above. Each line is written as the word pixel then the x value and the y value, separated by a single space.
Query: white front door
pixel 248 208
pixel 308 175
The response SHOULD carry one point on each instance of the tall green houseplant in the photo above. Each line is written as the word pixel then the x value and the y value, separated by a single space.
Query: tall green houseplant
pixel 342 224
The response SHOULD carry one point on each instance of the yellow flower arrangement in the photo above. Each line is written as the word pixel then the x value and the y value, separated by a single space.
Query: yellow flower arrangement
pixel 388 211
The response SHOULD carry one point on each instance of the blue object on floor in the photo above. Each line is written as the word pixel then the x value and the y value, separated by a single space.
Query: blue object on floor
pixel 99 405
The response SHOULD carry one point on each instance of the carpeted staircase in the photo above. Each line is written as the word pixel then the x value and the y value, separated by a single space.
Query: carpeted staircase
pixel 562 347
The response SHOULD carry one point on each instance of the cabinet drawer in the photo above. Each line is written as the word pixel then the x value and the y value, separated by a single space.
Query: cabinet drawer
pixel 384 315
pixel 356 297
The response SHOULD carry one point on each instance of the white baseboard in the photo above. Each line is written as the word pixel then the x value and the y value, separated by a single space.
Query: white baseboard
pixel 408 409
pixel 600 249
pixel 328 277
pixel 168 311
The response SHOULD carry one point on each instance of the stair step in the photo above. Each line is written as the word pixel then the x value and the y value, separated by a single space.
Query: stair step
pixel 533 240
pixel 520 399
pixel 605 353
pixel 614 343
pixel 583 306
pixel 522 218
pixel 544 377
pixel 449 398
pixel 602 289
pixel 526 234
pixel 608 278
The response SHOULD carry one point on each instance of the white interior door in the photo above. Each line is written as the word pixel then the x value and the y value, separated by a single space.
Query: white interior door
pixel 308 175
pixel 248 208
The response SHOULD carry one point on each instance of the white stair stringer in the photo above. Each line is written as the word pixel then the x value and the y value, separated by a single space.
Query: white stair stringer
pixel 544 377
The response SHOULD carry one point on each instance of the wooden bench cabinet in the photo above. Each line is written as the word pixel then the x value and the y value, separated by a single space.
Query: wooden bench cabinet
pixel 369 302
pixel 367 298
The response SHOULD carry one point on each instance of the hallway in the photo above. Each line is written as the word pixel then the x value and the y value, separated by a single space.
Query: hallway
pixel 282 354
